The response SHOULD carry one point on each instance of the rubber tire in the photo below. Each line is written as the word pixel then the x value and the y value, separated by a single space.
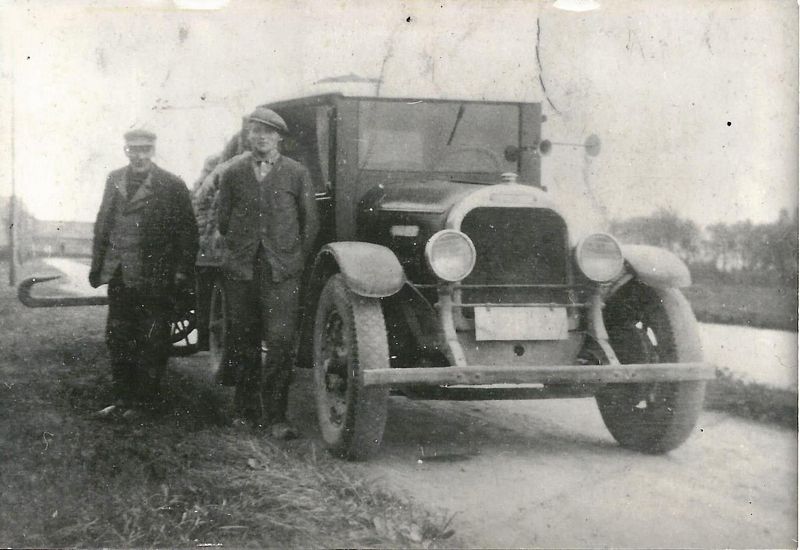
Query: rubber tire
pixel 671 409
pixel 218 327
pixel 359 433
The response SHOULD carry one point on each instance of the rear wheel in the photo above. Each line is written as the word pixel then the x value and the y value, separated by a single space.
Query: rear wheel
pixel 181 326
pixel 182 321
pixel 349 338
pixel 647 325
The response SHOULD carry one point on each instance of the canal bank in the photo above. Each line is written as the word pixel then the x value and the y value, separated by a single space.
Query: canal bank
pixel 756 373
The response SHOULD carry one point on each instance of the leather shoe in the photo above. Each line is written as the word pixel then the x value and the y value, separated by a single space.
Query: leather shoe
pixel 283 431
pixel 240 423
pixel 107 412
pixel 132 415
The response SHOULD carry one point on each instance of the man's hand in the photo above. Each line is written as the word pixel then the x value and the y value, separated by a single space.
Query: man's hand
pixel 94 278
pixel 182 297
pixel 217 240
pixel 181 279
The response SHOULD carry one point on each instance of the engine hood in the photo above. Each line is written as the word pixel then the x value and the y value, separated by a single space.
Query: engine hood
pixel 445 201
pixel 424 197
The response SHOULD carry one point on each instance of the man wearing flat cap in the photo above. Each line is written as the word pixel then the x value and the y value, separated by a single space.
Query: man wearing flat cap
pixel 267 214
pixel 145 241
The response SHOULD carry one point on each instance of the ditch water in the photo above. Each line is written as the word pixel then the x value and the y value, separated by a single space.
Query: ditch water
pixel 764 356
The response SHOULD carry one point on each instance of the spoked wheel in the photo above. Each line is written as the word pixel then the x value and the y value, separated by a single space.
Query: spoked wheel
pixel 647 325
pixel 349 338
pixel 218 325
pixel 179 330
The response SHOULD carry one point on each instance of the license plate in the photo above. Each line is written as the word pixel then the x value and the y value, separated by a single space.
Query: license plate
pixel 520 323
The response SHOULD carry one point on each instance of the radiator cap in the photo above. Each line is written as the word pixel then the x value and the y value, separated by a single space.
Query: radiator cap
pixel 508 177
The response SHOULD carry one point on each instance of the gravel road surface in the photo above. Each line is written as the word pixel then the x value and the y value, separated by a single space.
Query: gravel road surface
pixel 548 474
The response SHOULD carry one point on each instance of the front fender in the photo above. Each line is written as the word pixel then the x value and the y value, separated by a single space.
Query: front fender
pixel 656 267
pixel 370 270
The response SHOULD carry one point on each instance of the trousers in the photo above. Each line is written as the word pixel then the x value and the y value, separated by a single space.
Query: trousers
pixel 204 284
pixel 262 331
pixel 137 337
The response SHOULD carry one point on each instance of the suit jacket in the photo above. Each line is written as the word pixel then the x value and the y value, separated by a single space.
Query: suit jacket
pixel 167 235
pixel 279 214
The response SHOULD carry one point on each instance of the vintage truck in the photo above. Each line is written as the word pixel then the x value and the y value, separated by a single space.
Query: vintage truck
pixel 446 270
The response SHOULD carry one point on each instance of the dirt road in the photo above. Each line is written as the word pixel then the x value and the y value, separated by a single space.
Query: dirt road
pixel 548 474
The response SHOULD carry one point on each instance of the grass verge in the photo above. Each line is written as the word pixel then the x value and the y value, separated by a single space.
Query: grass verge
pixel 176 477
pixel 751 400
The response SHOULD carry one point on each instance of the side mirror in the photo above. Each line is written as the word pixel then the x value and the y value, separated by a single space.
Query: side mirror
pixel 512 152
pixel 591 145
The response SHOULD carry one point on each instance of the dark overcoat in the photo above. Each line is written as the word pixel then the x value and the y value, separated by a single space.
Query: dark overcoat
pixel 167 234
pixel 278 213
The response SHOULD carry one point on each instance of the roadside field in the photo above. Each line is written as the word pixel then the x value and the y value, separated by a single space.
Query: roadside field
pixel 178 476
pixel 747 305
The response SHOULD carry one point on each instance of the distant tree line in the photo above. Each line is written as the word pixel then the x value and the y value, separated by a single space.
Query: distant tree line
pixel 742 252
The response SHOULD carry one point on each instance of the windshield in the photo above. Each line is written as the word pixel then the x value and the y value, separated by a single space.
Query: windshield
pixel 437 136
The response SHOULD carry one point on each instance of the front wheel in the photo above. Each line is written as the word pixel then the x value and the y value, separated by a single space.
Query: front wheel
pixel 349 338
pixel 647 325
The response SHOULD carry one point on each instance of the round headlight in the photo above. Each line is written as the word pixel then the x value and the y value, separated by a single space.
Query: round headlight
pixel 599 257
pixel 450 254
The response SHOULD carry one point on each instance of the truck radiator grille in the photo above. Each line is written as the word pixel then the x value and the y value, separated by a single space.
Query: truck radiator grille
pixel 517 246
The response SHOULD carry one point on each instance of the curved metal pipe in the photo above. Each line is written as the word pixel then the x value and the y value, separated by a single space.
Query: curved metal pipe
pixel 24 295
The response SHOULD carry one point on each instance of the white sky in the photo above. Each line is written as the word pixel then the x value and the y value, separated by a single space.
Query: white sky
pixel 657 81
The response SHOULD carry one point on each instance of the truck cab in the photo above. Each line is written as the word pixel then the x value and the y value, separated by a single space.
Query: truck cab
pixel 445 270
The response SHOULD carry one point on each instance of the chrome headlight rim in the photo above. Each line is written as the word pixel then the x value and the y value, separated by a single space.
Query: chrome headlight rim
pixel 615 265
pixel 431 260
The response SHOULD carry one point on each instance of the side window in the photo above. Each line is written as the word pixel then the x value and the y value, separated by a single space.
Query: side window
pixel 309 142
pixel 324 115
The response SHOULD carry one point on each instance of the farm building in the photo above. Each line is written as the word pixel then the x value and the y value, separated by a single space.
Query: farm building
pixel 62 238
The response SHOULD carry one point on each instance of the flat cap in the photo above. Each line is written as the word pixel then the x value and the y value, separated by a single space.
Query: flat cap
pixel 139 136
pixel 270 118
